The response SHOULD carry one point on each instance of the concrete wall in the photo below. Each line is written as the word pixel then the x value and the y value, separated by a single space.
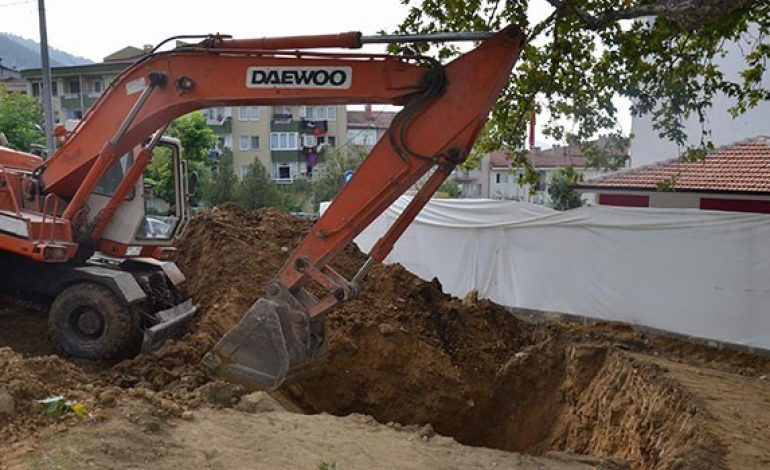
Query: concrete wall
pixel 677 200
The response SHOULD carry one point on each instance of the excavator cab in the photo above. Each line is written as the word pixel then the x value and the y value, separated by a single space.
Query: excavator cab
pixel 154 213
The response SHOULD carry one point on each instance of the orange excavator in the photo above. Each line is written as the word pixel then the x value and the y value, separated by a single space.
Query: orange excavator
pixel 78 227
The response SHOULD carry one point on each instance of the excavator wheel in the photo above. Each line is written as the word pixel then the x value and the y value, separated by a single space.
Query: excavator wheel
pixel 88 321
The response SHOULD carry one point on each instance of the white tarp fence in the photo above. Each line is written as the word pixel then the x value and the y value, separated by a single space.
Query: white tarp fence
pixel 700 273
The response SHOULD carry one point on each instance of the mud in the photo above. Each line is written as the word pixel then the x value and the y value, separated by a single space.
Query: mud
pixel 407 353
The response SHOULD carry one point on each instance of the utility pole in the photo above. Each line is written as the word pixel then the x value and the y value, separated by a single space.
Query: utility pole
pixel 46 88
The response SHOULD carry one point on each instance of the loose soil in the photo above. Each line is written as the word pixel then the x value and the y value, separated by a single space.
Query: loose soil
pixel 220 439
pixel 405 353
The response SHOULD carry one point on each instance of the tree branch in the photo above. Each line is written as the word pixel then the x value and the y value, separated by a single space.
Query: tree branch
pixel 688 14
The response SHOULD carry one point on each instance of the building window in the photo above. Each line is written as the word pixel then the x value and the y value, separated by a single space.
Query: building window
pixel 319 113
pixel 74 86
pixel 332 140
pixel 98 86
pixel 735 205
pixel 366 137
pixel 282 110
pixel 244 170
pixel 248 113
pixel 624 200
pixel 36 89
pixel 283 140
pixel 471 189
pixel 249 142
pixel 284 172
pixel 309 141
pixel 501 178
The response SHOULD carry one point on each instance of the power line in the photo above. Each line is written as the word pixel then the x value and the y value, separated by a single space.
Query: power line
pixel 13 4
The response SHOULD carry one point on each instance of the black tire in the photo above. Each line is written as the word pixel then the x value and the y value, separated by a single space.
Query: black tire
pixel 89 321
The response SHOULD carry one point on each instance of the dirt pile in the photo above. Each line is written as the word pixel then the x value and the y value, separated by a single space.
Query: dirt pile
pixel 227 254
pixel 23 381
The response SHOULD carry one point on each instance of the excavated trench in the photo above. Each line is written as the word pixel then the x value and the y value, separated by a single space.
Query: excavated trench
pixel 407 353
pixel 556 395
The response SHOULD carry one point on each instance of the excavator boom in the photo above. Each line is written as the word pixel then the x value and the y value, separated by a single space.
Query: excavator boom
pixel 435 131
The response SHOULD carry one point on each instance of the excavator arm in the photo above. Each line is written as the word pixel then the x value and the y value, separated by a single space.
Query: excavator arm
pixel 434 132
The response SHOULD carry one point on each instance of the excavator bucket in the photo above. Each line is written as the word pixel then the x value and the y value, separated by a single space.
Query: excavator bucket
pixel 171 323
pixel 270 343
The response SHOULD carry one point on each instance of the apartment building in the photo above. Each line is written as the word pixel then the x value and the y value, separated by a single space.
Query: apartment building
pixel 290 141
pixel 11 80
pixel 366 127
pixel 75 88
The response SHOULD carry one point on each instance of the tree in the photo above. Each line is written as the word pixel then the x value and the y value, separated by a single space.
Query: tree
pixel 327 183
pixel 449 188
pixel 160 174
pixel 21 120
pixel 223 183
pixel 562 188
pixel 659 53
pixel 257 190
pixel 196 139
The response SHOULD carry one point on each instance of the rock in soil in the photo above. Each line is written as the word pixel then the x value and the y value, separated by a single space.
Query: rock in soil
pixel 7 403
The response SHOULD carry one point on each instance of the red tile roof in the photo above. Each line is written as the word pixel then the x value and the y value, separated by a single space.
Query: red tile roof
pixel 740 167
pixel 559 155
pixel 370 120
pixel 542 158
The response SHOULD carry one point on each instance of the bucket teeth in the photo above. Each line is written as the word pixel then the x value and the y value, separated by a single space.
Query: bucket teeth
pixel 269 343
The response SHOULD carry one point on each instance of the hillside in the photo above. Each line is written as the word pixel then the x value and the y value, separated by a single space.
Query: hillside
pixel 22 53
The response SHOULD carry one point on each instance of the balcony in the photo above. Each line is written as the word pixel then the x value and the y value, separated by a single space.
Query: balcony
pixel 285 126
pixel 70 100
pixel 221 127
pixel 89 100
pixel 464 176
pixel 286 156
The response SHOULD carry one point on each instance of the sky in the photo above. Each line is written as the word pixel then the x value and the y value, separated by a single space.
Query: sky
pixel 96 28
